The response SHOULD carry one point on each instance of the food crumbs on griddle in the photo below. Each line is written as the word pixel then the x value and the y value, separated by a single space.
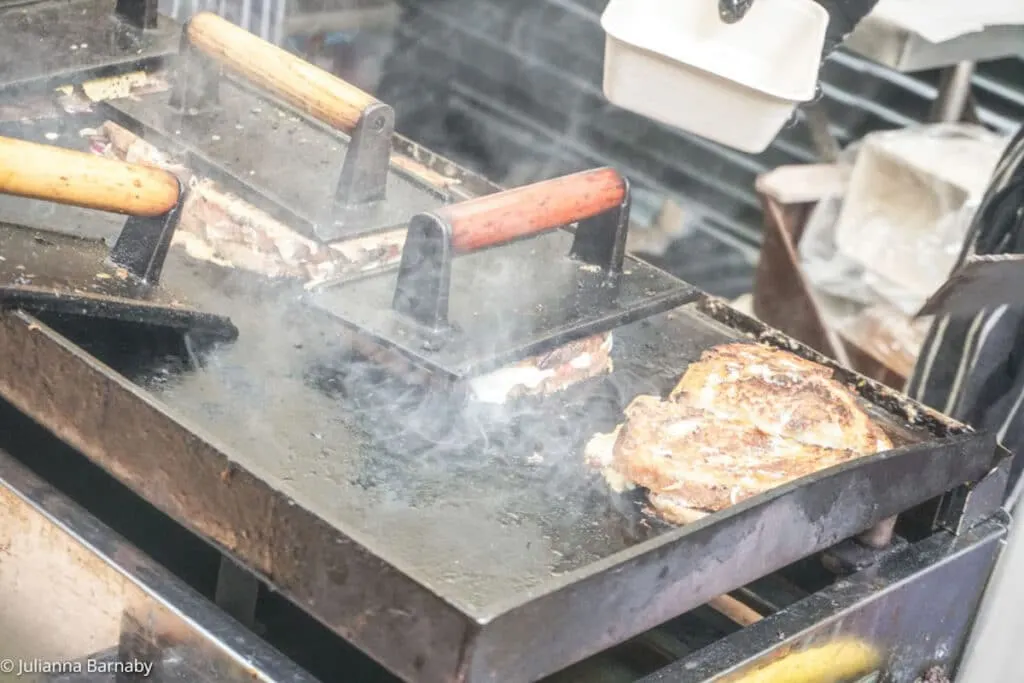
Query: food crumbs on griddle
pixel 227 473
pixel 933 675
pixel 32 327
pixel 121 273
pixel 102 276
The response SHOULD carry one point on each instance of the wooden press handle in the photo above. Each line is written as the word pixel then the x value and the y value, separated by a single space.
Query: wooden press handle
pixel 36 171
pixel 311 89
pixel 498 218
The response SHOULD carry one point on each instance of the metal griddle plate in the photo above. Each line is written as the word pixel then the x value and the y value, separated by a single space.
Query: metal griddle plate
pixel 69 41
pixel 273 157
pixel 52 272
pixel 507 303
pixel 486 553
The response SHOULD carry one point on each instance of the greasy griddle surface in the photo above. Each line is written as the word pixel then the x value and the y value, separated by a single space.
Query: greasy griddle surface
pixel 279 161
pixel 54 40
pixel 487 518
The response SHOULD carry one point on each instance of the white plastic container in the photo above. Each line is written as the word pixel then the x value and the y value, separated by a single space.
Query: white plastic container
pixel 676 62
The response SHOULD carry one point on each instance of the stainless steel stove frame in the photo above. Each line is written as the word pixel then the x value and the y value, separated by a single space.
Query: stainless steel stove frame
pixel 81 604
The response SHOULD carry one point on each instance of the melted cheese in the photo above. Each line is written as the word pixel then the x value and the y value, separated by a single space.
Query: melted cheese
pixel 496 386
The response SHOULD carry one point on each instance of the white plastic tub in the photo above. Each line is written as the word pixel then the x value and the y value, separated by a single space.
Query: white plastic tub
pixel 676 62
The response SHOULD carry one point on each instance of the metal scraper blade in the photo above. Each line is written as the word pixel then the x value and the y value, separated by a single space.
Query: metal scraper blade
pixel 47 272
pixel 982 282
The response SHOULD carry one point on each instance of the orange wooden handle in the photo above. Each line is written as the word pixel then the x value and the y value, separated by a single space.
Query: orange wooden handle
pixel 734 610
pixel 311 89
pixel 505 216
pixel 28 169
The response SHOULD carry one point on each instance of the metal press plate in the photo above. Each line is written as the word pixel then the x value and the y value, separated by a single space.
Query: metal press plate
pixel 49 271
pixel 270 156
pixel 60 42
pixel 508 303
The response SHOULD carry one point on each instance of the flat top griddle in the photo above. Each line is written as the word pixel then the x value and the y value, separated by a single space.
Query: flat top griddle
pixel 504 523
pixel 296 141
pixel 68 41
pixel 487 521
pixel 470 545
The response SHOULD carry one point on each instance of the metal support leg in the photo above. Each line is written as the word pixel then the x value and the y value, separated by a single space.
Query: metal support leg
pixel 825 143
pixel 954 95
pixel 237 592
pixel 880 535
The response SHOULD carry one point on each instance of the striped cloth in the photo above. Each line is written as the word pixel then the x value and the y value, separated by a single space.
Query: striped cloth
pixel 972 369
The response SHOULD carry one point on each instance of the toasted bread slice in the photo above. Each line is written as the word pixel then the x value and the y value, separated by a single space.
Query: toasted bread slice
pixel 743 420
pixel 691 458
pixel 780 394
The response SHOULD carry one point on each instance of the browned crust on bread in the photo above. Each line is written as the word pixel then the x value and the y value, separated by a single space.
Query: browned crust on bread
pixel 781 394
pixel 744 419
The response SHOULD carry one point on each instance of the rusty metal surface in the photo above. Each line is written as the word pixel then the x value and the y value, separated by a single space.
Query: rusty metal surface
pixel 444 554
pixel 59 42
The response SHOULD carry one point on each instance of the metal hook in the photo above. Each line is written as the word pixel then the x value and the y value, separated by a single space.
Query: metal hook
pixel 731 11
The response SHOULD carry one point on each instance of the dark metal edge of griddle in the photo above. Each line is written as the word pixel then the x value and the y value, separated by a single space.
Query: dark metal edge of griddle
pixel 264 198
pixel 714 556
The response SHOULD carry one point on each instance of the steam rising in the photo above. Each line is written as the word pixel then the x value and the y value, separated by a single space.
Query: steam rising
pixel 489 500
pixel 501 491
